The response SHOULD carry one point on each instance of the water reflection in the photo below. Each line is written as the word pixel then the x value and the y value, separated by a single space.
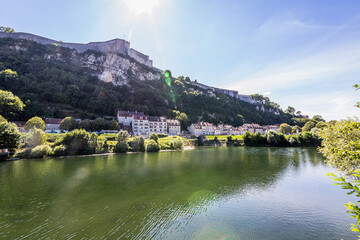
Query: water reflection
pixel 172 195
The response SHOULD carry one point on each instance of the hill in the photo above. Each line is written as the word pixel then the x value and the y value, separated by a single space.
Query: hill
pixel 56 81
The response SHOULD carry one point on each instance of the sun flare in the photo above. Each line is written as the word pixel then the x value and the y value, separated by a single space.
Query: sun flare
pixel 139 7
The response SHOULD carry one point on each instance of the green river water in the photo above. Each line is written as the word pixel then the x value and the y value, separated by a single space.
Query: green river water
pixel 207 193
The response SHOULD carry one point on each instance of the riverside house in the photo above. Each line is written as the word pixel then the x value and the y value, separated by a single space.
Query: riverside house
pixel 157 125
pixel 173 127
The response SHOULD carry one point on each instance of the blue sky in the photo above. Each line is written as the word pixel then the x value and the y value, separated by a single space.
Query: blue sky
pixel 305 54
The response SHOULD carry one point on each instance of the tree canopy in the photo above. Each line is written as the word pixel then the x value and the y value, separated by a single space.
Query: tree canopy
pixel 10 104
pixel 35 123
pixel 9 136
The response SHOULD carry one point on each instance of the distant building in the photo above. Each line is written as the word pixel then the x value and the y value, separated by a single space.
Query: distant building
pixel 195 129
pixel 140 124
pixel 53 124
pixel 173 126
pixel 272 127
pixel 157 125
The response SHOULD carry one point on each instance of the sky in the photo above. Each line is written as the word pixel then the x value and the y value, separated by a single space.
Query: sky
pixel 299 53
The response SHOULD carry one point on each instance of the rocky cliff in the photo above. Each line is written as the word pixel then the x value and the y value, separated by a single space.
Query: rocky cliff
pixel 112 65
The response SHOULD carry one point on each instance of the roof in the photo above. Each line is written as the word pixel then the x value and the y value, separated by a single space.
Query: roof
pixel 157 119
pixel 141 117
pixel 173 122
pixel 53 120
pixel 129 113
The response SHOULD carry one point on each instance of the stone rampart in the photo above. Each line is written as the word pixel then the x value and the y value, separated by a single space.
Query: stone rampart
pixel 116 45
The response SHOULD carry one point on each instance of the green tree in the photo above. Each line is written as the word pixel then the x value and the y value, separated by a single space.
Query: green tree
pixel 152 146
pixel 37 137
pixel 10 104
pixel 113 125
pixel 99 124
pixel 320 125
pixel 183 119
pixel 85 124
pixel 137 144
pixel 122 144
pixel 9 136
pixel 68 124
pixel 6 29
pixel 123 136
pixel 154 136
pixel 318 118
pixel 79 142
pixel 35 123
pixel 238 120
pixel 290 110
pixel 2 119
pixel 285 128
pixel 308 126
pixel 295 129
pixel 273 138
pixel 341 147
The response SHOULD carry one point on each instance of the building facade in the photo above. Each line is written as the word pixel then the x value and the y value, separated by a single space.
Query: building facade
pixel 157 125
pixel 173 126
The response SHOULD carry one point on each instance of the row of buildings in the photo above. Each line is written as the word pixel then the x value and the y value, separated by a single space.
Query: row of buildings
pixel 205 128
pixel 140 124
pixel 136 123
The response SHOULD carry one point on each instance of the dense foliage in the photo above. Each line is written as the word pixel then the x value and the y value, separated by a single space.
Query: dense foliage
pixel 9 136
pixel 10 104
pixel 52 82
pixel 341 147
pixel 272 138
pixel 35 123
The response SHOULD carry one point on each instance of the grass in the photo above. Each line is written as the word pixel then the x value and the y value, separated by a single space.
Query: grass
pixel 224 137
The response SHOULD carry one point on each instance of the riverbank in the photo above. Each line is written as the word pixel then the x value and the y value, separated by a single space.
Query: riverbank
pixel 37 144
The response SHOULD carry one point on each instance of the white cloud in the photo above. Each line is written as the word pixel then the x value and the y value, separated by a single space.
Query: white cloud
pixel 299 23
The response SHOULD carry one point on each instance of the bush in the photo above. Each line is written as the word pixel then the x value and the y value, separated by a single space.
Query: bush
pixel 137 144
pixel 40 151
pixel 37 137
pixel 79 142
pixel 121 147
pixel 152 146
pixel 273 138
pixel 60 151
pixel 162 135
pixel 9 136
pixel 154 136
pixel 178 144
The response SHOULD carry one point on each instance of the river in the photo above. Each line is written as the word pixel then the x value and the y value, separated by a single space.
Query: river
pixel 206 193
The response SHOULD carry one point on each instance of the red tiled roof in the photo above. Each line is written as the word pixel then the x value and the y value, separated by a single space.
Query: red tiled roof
pixel 53 120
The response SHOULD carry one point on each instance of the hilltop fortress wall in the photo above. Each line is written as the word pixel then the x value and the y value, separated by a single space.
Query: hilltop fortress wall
pixel 116 45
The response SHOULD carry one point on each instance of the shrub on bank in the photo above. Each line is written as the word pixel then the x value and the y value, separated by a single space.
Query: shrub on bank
pixel 60 151
pixel 178 144
pixel 80 142
pixel 137 144
pixel 152 146
pixel 40 151
pixel 121 147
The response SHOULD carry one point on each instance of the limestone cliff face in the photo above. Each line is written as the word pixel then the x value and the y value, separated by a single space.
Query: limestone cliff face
pixel 112 61
pixel 111 67
pixel 108 67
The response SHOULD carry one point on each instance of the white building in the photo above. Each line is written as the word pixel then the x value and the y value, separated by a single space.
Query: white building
pixel 173 126
pixel 53 124
pixel 195 129
pixel 207 128
pixel 140 124
pixel 125 118
pixel 272 127
pixel 157 125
